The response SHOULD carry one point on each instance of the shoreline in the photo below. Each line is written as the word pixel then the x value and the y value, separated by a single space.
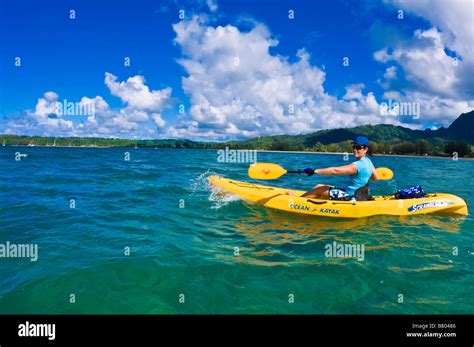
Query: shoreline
pixel 258 150
pixel 40 146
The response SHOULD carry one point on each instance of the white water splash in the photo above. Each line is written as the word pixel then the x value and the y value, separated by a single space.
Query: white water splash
pixel 221 198
pixel 201 183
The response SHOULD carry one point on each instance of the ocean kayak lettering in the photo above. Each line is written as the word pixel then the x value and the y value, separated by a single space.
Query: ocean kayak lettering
pixel 328 210
pixel 300 207
pixel 430 204
pixel 307 208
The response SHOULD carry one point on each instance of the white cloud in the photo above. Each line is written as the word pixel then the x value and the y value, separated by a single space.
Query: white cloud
pixel 140 115
pixel 354 91
pixel 46 113
pixel 454 18
pixel 50 96
pixel 133 119
pixel 390 72
pixel 425 63
pixel 441 83
pixel 136 94
pixel 382 55
pixel 392 94
pixel 212 4
pixel 158 120
pixel 43 120
pixel 439 109
pixel 236 87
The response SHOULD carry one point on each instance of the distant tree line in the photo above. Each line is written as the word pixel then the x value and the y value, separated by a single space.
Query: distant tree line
pixel 278 143
pixel 421 147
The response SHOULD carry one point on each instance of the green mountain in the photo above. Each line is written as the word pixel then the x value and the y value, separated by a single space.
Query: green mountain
pixel 461 129
pixel 382 133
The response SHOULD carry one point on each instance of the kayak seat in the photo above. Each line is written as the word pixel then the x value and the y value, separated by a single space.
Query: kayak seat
pixel 363 193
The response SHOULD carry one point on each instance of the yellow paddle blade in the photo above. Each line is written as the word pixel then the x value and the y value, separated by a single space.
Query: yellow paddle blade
pixel 266 171
pixel 384 173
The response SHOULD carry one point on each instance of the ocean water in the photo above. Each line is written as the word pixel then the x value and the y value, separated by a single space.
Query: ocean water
pixel 182 238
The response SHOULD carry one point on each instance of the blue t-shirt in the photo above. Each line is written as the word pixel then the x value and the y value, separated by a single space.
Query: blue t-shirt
pixel 360 179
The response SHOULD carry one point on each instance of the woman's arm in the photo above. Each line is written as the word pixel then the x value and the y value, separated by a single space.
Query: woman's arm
pixel 349 169
pixel 375 175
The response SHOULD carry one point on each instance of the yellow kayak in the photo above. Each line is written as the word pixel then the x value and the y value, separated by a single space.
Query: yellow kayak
pixel 291 201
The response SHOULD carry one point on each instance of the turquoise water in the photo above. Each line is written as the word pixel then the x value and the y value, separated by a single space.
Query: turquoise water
pixel 189 249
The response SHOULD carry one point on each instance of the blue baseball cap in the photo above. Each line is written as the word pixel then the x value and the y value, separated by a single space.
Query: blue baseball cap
pixel 361 140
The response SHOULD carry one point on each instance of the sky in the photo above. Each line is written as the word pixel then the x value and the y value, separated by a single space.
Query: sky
pixel 232 69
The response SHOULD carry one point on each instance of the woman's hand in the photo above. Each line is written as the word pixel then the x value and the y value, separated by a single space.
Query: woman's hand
pixel 375 175
pixel 309 171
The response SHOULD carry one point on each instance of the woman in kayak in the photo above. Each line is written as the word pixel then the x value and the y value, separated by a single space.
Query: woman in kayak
pixel 360 171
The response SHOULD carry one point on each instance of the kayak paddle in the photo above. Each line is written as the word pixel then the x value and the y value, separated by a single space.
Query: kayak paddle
pixel 270 171
pixel 267 171
pixel 384 173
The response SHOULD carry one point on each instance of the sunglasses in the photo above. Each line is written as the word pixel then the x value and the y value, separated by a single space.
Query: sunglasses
pixel 358 147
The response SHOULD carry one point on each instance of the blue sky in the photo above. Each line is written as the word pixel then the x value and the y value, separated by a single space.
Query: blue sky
pixel 237 69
